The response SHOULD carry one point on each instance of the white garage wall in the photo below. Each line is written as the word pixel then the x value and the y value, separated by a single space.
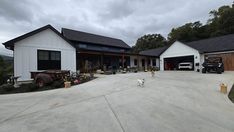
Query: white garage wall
pixel 158 62
pixel 25 53
pixel 178 49
pixel 202 59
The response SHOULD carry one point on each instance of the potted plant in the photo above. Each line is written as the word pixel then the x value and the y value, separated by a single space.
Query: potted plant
pixel 67 83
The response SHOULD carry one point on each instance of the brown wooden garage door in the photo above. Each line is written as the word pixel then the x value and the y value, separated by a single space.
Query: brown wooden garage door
pixel 228 60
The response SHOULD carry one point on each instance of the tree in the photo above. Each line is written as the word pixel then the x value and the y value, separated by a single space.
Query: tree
pixel 149 41
pixel 188 32
pixel 2 70
pixel 220 23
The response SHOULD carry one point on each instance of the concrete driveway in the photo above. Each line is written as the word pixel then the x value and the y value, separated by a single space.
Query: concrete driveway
pixel 169 102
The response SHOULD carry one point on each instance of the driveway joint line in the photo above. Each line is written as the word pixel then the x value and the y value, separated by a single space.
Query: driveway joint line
pixel 30 106
pixel 115 114
pixel 16 115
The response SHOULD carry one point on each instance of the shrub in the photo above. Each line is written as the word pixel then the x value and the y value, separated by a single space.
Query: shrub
pixel 32 87
pixel 28 87
pixel 57 84
pixel 2 71
pixel 6 87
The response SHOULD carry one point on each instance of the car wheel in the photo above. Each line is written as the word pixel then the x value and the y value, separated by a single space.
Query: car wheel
pixel 203 70
pixel 219 70
pixel 40 83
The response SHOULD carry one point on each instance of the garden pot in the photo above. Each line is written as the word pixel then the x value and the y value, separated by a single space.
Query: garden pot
pixel 67 84
pixel 223 88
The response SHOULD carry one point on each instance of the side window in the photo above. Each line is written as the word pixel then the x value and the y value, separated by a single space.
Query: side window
pixel 55 55
pixel 154 62
pixel 148 62
pixel 143 62
pixel 48 60
pixel 43 55
pixel 135 62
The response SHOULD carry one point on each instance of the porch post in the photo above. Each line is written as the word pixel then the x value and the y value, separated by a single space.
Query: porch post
pixel 123 60
pixel 102 61
pixel 138 62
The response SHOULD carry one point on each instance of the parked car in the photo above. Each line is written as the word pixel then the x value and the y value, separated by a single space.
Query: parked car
pixel 214 64
pixel 185 65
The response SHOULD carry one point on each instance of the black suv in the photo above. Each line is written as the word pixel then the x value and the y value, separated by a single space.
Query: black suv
pixel 214 64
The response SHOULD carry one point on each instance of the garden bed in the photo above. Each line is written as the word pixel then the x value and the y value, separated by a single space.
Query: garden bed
pixel 32 87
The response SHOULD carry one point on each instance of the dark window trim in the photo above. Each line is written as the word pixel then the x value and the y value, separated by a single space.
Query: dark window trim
pixel 49 60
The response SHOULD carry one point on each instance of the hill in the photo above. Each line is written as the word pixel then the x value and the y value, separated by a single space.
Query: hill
pixel 7 58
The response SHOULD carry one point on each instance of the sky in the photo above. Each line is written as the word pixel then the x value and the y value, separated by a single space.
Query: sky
pixel 124 19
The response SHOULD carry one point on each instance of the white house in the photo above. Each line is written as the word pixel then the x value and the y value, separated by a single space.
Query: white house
pixel 47 49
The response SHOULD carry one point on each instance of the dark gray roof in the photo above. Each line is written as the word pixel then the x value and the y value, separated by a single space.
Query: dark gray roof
pixel 216 44
pixel 102 49
pixel 92 38
pixel 10 44
pixel 154 52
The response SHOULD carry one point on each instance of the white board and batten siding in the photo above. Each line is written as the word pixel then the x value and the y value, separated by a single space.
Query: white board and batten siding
pixel 139 58
pixel 179 49
pixel 139 61
pixel 25 53
pixel 158 62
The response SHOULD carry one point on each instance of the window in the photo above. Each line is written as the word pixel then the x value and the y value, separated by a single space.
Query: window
pixel 48 60
pixel 135 62
pixel 148 62
pixel 43 55
pixel 143 62
pixel 55 56
pixel 122 50
pixel 105 48
pixel 154 62
pixel 82 46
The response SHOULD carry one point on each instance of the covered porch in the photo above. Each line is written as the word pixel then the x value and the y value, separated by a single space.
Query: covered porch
pixel 90 61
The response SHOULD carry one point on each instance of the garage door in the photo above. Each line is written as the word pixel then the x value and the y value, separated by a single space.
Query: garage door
pixel 228 61
pixel 172 63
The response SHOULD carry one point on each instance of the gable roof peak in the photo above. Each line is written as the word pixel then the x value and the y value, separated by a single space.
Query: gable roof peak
pixel 10 44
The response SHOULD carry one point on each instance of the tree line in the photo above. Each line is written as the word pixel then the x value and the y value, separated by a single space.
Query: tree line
pixel 220 23
pixel 6 69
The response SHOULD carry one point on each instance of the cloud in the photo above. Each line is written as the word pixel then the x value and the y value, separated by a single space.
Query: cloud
pixel 117 10
pixel 124 19
pixel 20 11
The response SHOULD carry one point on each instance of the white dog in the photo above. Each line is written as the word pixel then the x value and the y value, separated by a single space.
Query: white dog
pixel 152 73
pixel 141 82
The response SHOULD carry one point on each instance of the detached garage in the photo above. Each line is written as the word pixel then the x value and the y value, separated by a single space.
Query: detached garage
pixel 179 53
pixel 195 52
